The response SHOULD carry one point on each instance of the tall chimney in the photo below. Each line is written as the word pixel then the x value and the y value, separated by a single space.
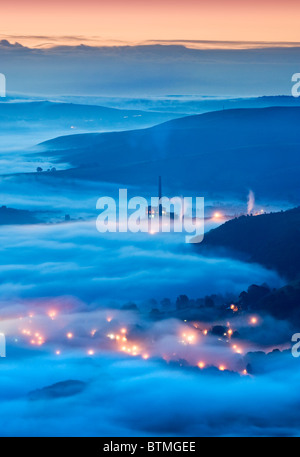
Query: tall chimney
pixel 159 188
pixel 160 196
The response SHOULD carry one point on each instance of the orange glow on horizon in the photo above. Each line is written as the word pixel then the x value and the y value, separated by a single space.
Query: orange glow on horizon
pixel 73 22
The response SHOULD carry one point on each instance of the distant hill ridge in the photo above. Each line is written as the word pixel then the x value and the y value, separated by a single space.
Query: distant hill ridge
pixel 64 116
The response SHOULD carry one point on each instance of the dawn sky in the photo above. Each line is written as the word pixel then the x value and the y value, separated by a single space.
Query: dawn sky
pixel 132 21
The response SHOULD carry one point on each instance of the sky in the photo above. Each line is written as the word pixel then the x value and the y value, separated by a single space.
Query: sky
pixel 143 71
pixel 114 63
pixel 36 23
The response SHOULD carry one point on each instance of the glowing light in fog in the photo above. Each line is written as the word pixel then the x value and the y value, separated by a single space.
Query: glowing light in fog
pixel 52 314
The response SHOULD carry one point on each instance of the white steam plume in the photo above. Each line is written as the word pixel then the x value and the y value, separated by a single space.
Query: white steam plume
pixel 251 202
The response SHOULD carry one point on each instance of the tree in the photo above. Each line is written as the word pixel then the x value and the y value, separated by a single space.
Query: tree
pixel 208 302
pixel 166 303
pixel 182 302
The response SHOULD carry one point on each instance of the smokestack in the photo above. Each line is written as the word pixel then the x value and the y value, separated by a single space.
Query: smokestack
pixel 159 188
pixel 160 196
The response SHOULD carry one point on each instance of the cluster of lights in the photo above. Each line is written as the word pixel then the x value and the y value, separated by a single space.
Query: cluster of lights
pixel 188 338
pixel 236 349
pixel 120 338
pixel 36 339
pixel 131 348
pixel 125 346
pixel 52 314
pixel 259 213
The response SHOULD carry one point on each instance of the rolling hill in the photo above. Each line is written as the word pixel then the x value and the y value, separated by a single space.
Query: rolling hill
pixel 224 151
pixel 11 216
pixel 272 240
pixel 26 117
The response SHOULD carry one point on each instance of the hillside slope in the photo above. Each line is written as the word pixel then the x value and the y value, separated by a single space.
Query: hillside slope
pixel 222 151
pixel 272 240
